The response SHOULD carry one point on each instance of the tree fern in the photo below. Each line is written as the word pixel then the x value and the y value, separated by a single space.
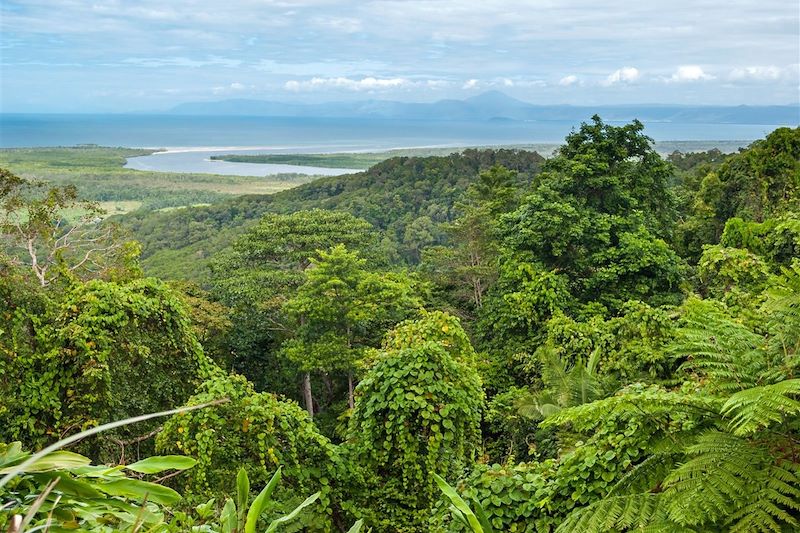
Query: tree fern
pixel 721 350
pixel 616 513
pixel 759 407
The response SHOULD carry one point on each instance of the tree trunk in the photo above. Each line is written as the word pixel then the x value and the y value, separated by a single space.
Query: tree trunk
pixel 350 397
pixel 307 394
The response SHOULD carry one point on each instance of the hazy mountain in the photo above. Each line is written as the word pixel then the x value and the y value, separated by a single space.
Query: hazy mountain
pixel 495 105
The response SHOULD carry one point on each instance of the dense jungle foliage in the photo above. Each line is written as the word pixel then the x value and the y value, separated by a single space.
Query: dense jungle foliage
pixel 602 341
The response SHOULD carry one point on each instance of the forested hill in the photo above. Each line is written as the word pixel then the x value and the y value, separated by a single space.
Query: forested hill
pixel 407 197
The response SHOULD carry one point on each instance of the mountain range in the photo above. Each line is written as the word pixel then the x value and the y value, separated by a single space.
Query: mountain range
pixel 497 106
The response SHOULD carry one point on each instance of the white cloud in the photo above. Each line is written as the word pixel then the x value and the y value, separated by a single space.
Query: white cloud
pixel 470 84
pixel 364 84
pixel 622 75
pixel 507 82
pixel 566 81
pixel 770 72
pixel 687 73
pixel 233 87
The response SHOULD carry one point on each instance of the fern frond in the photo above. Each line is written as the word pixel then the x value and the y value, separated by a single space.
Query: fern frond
pixel 760 407
pixel 718 347
pixel 646 475
pixel 722 469
pixel 631 511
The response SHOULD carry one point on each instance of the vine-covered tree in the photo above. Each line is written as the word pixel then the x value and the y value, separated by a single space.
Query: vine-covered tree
pixel 417 412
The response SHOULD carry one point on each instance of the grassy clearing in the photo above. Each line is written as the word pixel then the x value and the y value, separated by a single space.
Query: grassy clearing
pixel 99 175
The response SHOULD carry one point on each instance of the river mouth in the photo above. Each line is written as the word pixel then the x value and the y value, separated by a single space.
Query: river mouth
pixel 198 161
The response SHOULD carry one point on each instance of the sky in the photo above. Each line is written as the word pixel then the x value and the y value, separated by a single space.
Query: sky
pixel 128 55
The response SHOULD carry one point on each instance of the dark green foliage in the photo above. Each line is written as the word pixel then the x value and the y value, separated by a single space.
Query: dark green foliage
pixel 80 359
pixel 595 215
pixel 391 196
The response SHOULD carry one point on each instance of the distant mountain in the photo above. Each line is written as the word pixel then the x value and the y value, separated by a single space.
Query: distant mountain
pixel 497 106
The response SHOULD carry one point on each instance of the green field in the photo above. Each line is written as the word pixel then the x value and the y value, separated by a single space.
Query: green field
pixel 100 176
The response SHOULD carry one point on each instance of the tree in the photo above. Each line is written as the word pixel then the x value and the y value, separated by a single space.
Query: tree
pixel 260 433
pixel 467 267
pixel 417 412
pixel 596 215
pixel 257 276
pixel 342 309
pixel 36 231
pixel 100 351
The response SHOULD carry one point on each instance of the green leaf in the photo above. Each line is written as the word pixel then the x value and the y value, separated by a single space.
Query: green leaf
pixel 140 490
pixel 261 502
pixel 291 516
pixel 227 519
pixel 459 504
pixel 53 461
pixel 242 496
pixel 153 465
pixel 356 527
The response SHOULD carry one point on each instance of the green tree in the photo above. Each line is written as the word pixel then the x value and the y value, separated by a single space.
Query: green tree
pixel 417 412
pixel 342 309
pixel 100 351
pixel 467 267
pixel 258 275
pixel 596 214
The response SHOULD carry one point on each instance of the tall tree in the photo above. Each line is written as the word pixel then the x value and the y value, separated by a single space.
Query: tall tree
pixel 257 276
pixel 342 309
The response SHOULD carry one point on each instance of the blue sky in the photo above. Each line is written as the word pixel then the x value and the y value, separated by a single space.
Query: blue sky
pixel 118 55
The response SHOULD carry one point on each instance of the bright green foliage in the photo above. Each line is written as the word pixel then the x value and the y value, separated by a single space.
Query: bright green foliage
pixel 473 521
pixel 417 412
pixel 64 489
pixel 259 432
pixel 628 346
pixel 730 468
pixel 342 309
pixel 776 239
pixel 83 359
pixel 731 274
pixel 524 298
pixel 564 385
pixel 432 326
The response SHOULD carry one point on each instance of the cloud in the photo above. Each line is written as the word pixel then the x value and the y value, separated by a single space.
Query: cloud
pixel 364 84
pixel 622 75
pixel 470 84
pixel 770 72
pixel 566 81
pixel 233 87
pixel 688 73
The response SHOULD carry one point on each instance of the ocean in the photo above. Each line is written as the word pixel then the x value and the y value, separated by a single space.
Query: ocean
pixel 299 134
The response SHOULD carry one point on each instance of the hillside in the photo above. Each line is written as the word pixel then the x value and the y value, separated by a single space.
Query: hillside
pixel 405 196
